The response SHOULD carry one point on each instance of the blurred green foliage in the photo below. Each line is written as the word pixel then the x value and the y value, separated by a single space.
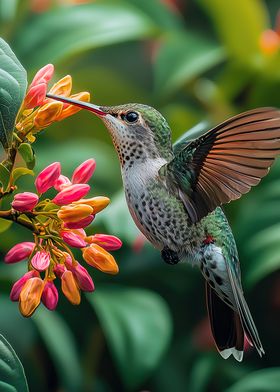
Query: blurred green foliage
pixel 145 329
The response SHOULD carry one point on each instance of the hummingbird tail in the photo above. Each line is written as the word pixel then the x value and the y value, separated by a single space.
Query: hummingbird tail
pixel 226 326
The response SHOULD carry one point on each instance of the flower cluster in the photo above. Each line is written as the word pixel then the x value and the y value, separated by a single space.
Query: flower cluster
pixel 58 225
pixel 38 112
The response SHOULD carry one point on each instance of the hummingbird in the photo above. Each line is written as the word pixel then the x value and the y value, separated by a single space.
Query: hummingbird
pixel 175 195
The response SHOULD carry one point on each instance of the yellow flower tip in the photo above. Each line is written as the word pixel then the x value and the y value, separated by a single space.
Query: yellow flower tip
pixel 99 258
pixel 70 288
pixel 98 203
pixel 30 296
pixel 47 114
pixel 269 42
pixel 69 110
pixel 62 87
pixel 74 212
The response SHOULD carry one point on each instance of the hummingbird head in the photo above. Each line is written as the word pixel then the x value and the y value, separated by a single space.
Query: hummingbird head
pixel 139 132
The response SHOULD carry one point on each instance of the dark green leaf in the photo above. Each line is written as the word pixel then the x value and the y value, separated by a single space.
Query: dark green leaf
pixel 137 325
pixel 21 171
pixel 265 380
pixel 13 85
pixel 4 176
pixel 182 57
pixel 68 30
pixel 27 153
pixel 61 345
pixel 12 377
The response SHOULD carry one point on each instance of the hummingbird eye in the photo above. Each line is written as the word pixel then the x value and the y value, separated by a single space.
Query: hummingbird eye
pixel 130 117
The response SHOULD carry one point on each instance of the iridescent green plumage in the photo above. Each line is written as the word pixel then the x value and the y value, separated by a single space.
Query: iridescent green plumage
pixel 174 196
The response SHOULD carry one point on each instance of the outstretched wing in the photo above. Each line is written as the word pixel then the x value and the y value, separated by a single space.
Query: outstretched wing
pixel 226 162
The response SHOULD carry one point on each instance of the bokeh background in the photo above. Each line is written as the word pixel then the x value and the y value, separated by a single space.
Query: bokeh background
pixel 146 329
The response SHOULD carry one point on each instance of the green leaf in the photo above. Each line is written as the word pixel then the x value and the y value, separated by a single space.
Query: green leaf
pixel 267 380
pixel 12 377
pixel 27 153
pixel 182 57
pixel 4 176
pixel 239 24
pixel 61 345
pixel 57 34
pixel 4 225
pixel 21 171
pixel 137 325
pixel 13 85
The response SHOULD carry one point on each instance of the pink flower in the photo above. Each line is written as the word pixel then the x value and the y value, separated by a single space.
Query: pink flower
pixel 44 75
pixel 47 177
pixel 80 224
pixel 25 201
pixel 71 193
pixel 73 239
pixel 41 260
pixel 83 278
pixel 59 269
pixel 50 296
pixel 19 252
pixel 83 173
pixel 18 285
pixel 108 242
pixel 62 182
pixel 35 96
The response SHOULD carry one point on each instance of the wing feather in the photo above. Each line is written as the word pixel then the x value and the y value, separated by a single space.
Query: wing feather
pixel 227 161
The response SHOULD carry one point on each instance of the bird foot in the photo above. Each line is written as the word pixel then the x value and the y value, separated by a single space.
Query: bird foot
pixel 170 256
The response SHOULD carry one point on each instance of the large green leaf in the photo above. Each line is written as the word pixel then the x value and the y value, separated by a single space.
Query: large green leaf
pixel 137 325
pixel 65 31
pixel 12 89
pixel 264 380
pixel 61 345
pixel 12 377
pixel 239 24
pixel 182 57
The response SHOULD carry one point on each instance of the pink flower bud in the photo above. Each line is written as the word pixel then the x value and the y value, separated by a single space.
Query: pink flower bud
pixel 19 252
pixel 35 96
pixel 47 178
pixel 41 260
pixel 83 278
pixel 73 239
pixel 71 193
pixel 108 242
pixel 25 201
pixel 59 269
pixel 50 296
pixel 80 224
pixel 62 182
pixel 83 173
pixel 18 285
pixel 44 75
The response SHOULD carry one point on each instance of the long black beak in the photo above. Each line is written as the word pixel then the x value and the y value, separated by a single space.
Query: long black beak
pixel 84 105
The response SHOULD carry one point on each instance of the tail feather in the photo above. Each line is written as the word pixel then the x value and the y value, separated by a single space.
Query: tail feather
pixel 245 315
pixel 226 326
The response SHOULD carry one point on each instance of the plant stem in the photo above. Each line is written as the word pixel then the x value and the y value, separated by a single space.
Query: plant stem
pixel 13 216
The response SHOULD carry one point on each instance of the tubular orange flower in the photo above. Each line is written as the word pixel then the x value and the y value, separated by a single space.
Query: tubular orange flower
pixel 68 110
pixel 30 296
pixel 70 288
pixel 99 258
pixel 47 114
pixel 98 203
pixel 74 212
pixel 62 87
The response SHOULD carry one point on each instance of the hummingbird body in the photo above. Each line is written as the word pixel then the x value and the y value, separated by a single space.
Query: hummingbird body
pixel 174 194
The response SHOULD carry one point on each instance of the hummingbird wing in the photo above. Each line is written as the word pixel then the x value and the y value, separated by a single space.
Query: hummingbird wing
pixel 225 162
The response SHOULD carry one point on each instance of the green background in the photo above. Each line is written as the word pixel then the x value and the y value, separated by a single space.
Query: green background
pixel 146 329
